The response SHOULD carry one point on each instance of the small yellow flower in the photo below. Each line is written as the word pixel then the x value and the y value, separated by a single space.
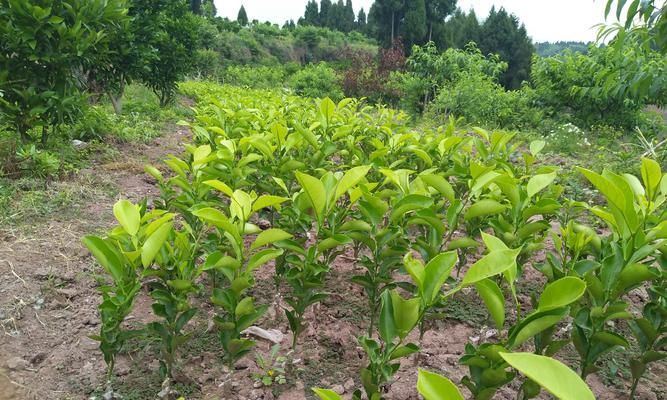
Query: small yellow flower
pixel 270 373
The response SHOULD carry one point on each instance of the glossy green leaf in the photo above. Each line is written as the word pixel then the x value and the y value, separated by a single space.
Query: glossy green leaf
pixel 153 244
pixel 105 256
pixel 315 191
pixel 561 293
pixel 539 182
pixel 490 265
pixel 349 180
pixel 551 374
pixel 483 208
pixel 128 216
pixel 326 394
pixel 436 387
pixel 269 236
pixel 494 300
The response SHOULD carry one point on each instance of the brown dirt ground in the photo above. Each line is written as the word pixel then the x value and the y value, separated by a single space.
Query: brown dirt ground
pixel 48 302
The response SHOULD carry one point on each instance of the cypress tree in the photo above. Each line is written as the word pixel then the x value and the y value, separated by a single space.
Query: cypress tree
pixel 361 21
pixel 325 8
pixel 242 17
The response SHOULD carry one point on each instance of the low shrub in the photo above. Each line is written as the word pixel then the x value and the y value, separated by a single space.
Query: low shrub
pixel 318 81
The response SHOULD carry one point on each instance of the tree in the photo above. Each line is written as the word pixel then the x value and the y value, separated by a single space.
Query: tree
pixel 43 51
pixel 325 8
pixel 196 6
pixel 361 21
pixel 168 30
pixel 242 17
pixel 436 12
pixel 384 20
pixel 348 17
pixel 459 30
pixel 413 29
pixel 311 15
pixel 502 34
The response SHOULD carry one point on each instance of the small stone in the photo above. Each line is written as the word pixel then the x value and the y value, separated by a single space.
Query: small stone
pixel 17 363
pixel 349 384
pixel 243 363
pixel 257 384
pixel 79 144
pixel 339 389
pixel 38 358
pixel 264 224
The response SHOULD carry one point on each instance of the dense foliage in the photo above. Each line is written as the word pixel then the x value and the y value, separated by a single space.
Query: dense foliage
pixel 429 214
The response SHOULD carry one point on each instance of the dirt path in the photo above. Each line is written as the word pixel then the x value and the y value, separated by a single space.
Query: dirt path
pixel 47 282
pixel 48 303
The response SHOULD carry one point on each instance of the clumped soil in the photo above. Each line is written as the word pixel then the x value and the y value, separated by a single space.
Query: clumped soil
pixel 48 301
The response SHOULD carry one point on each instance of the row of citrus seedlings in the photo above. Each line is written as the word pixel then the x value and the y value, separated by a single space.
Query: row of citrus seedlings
pixel 422 207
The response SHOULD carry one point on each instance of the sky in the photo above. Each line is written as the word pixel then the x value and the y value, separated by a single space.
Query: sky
pixel 545 20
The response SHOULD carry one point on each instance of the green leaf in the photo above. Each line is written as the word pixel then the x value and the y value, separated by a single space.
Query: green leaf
pixel 436 387
pixel 128 216
pixel 494 300
pixel 104 255
pixel 262 257
pixel 551 374
pixel 494 263
pixel 483 208
pixel 440 184
pixel 536 146
pixel 267 201
pixel 269 236
pixel 406 313
pixel 561 293
pixel 220 186
pixel 651 175
pixel 538 182
pixel 410 203
pixel 315 191
pixel 326 394
pixel 153 244
pixel 436 273
pixel 534 324
pixel 387 326
pixel 349 180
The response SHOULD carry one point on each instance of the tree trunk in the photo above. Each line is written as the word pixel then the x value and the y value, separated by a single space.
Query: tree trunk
pixel 393 18
pixel 45 135
pixel 23 131
pixel 430 31
pixel 117 98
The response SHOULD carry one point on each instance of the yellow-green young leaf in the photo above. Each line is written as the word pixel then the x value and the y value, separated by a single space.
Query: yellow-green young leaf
pixel 105 255
pixel 315 191
pixel 440 184
pixel 269 236
pixel 245 307
pixel 651 175
pixel 201 153
pixel 483 208
pixel 436 387
pixel 218 219
pixel 327 107
pixel 561 293
pixel 539 182
pixel 494 300
pixel 494 263
pixel 536 323
pixel 436 273
pixel 536 146
pixel 610 191
pixel 415 268
pixel 154 172
pixel 153 244
pixel 493 243
pixel 220 186
pixel 406 313
pixel 267 201
pixel 241 206
pixel 349 180
pixel 128 216
pixel 551 374
pixel 262 257
pixel 326 394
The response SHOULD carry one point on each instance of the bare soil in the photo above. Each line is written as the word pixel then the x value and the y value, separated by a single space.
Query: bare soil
pixel 48 301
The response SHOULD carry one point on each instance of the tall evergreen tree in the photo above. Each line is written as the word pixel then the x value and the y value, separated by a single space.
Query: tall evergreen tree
pixel 348 17
pixel 413 29
pixel 384 20
pixel 361 21
pixel 311 15
pixel 504 35
pixel 436 12
pixel 242 17
pixel 336 15
pixel 459 30
pixel 195 6
pixel 325 8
